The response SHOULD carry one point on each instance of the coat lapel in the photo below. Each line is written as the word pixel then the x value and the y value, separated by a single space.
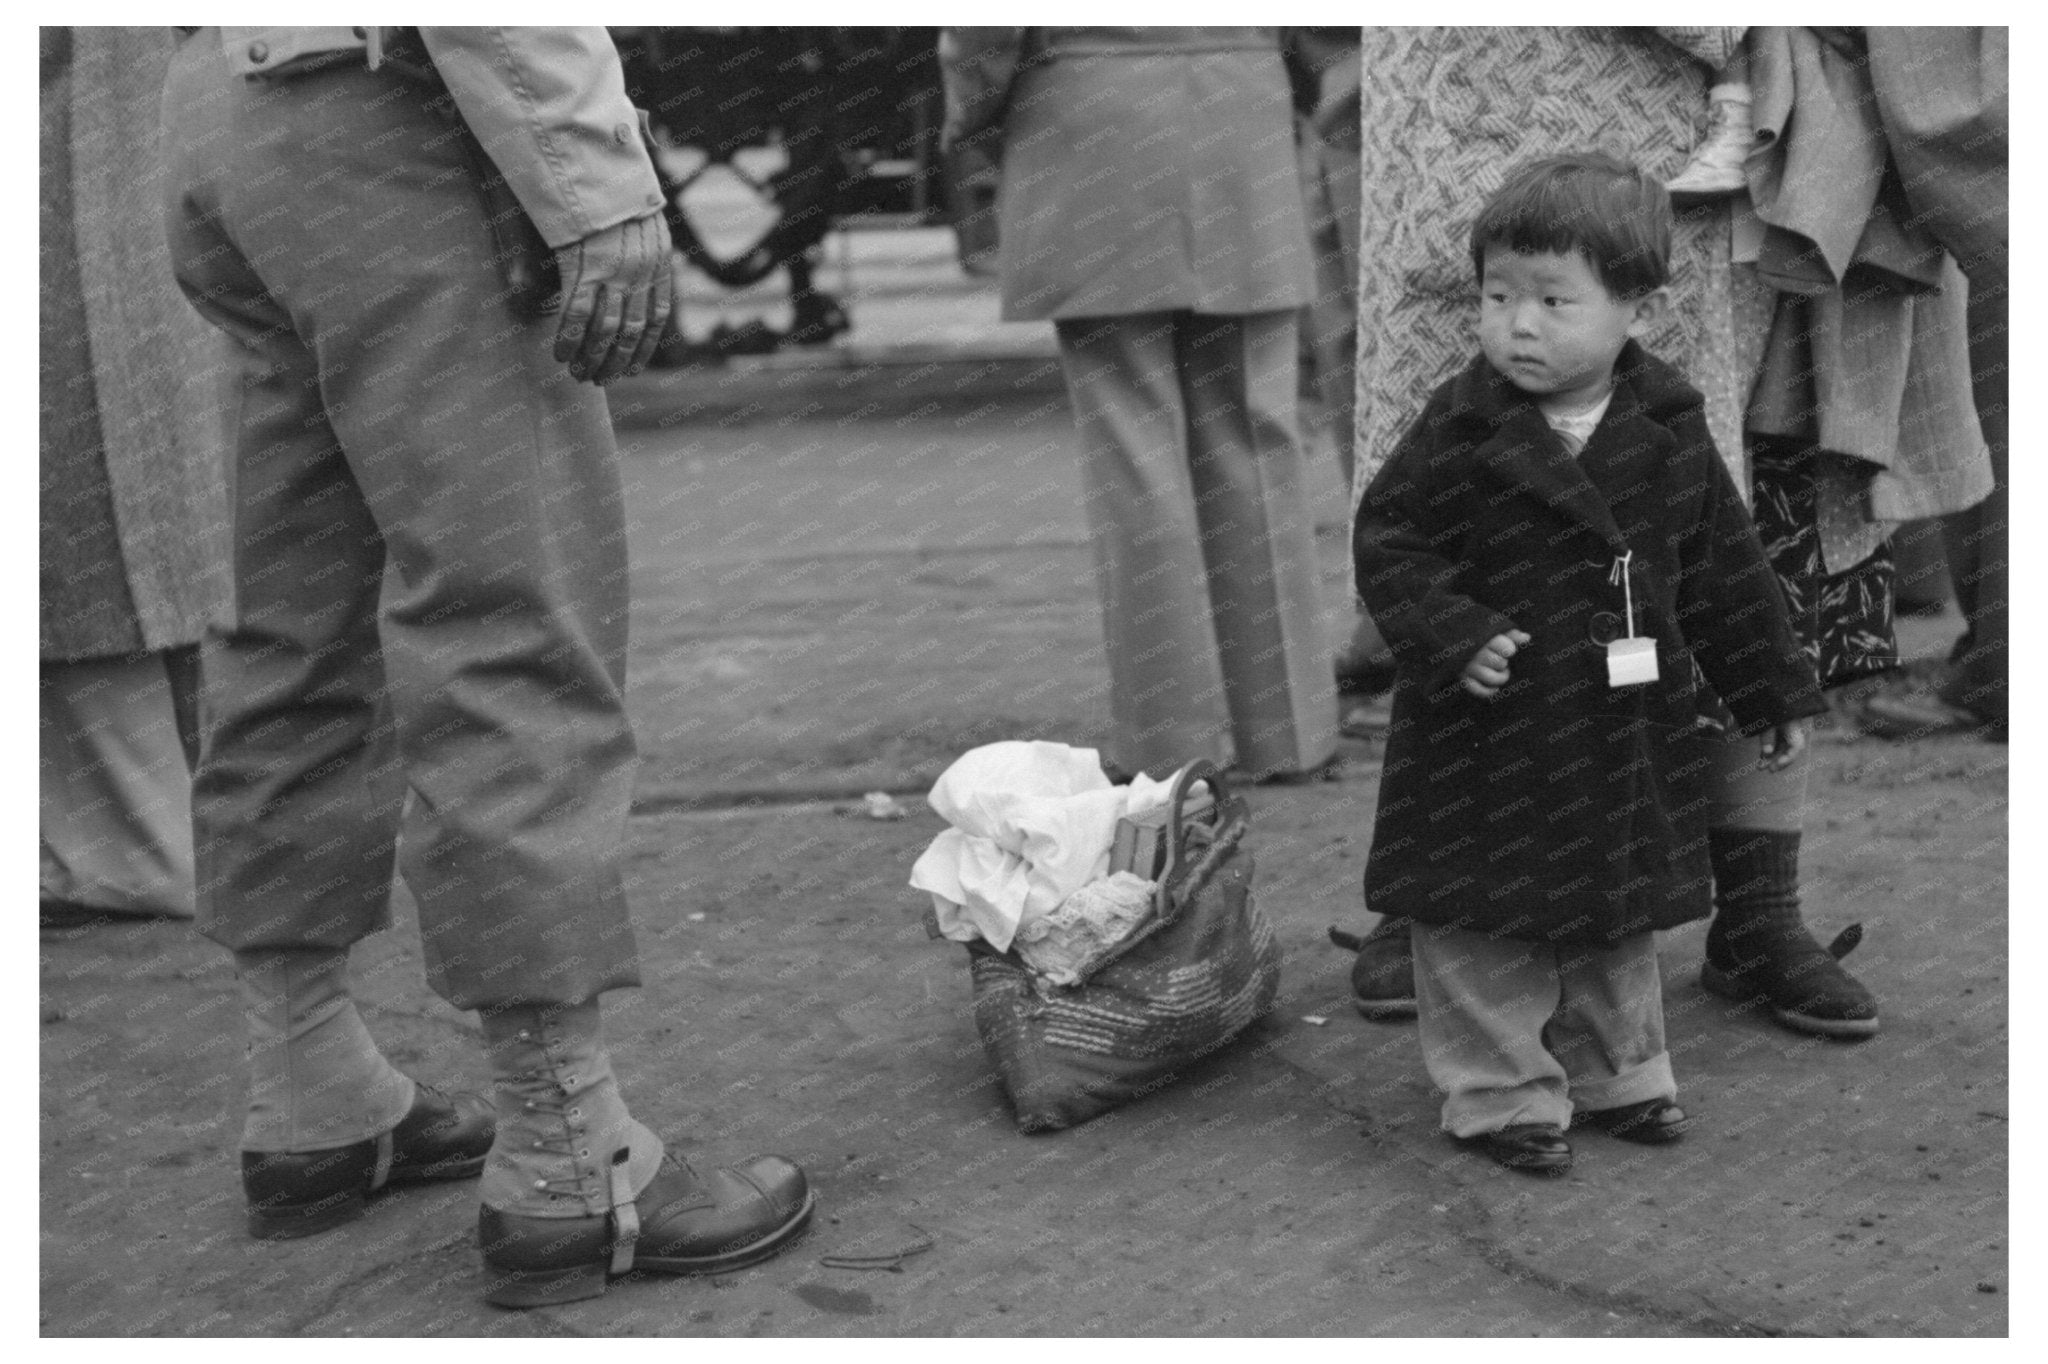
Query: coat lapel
pixel 1623 456
pixel 1520 446
pixel 1652 408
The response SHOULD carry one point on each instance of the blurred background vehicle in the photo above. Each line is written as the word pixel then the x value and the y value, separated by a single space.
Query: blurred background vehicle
pixel 771 138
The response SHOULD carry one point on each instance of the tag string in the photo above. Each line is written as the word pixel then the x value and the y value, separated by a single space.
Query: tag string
pixel 1620 575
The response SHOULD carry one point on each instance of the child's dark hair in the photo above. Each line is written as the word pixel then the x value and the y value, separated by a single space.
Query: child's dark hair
pixel 1589 203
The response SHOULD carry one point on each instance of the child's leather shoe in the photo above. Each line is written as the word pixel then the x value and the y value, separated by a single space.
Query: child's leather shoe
pixel 1653 1122
pixel 1533 1147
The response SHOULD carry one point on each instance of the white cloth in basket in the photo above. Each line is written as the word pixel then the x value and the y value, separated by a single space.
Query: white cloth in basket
pixel 1032 823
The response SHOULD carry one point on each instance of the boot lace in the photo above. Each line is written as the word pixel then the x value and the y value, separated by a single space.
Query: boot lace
pixel 555 1102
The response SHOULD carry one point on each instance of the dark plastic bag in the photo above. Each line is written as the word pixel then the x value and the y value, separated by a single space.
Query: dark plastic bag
pixel 1194 974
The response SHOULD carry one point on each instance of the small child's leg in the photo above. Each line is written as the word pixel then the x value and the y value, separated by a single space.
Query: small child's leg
pixel 1609 1030
pixel 1481 1005
pixel 1715 167
pixel 1736 72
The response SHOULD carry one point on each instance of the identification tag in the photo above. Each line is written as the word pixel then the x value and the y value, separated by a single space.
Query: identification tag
pixel 1631 662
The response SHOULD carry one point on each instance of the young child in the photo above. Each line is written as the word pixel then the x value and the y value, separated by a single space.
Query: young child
pixel 1550 550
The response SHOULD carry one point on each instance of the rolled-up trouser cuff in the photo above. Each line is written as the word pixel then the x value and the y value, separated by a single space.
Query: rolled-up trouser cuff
pixel 1650 1079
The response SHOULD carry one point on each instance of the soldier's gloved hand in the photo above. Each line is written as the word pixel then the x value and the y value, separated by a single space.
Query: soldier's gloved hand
pixel 616 295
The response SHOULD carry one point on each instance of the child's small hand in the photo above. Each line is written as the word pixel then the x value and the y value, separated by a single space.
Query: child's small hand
pixel 1487 673
pixel 1781 744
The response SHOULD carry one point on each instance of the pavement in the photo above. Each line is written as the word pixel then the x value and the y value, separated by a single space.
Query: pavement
pixel 847 569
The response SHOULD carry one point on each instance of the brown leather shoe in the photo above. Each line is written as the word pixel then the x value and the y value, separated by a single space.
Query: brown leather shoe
pixel 300 1193
pixel 681 1223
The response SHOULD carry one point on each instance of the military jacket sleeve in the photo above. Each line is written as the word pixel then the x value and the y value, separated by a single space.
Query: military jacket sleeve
pixel 549 107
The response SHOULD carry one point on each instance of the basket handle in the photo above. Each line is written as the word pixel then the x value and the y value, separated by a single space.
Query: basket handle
pixel 1183 784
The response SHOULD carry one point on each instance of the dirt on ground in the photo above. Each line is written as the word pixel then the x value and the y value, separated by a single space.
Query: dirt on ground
pixel 820 610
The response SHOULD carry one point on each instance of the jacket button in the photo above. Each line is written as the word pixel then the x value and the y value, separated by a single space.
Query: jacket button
pixel 654 201
pixel 360 31
pixel 623 134
pixel 259 53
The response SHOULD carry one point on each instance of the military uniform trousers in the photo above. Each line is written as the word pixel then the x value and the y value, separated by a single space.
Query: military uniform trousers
pixel 429 552
pixel 1198 502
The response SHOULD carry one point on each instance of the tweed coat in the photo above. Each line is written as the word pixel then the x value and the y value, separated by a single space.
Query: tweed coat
pixel 1561 809
pixel 1944 95
pixel 134 527
pixel 1143 169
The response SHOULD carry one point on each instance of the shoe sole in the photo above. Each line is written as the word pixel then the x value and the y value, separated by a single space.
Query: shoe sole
pixel 1718 982
pixel 459 1167
pixel 1879 723
pixel 1665 1135
pixel 291 1222
pixel 516 1288
pixel 1686 196
pixel 1384 1010
pixel 1662 1136
pixel 1905 733
pixel 1842 1029
pixel 1520 1164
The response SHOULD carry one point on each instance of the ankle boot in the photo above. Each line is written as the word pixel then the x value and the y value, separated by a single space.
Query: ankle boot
pixel 577 1193
pixel 1759 949
pixel 1716 165
pixel 561 1117
pixel 330 1121
pixel 1383 976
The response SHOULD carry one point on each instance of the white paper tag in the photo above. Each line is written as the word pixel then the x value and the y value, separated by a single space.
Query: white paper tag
pixel 1631 662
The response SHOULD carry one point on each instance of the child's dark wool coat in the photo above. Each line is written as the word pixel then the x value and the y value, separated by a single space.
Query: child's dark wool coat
pixel 1561 809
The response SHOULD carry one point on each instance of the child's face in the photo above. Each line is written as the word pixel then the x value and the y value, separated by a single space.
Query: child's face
pixel 1549 324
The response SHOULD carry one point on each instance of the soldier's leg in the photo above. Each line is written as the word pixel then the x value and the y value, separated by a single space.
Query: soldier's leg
pixel 296 795
pixel 493 483
pixel 430 437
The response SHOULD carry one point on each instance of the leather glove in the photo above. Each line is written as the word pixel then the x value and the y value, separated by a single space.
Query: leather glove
pixel 617 290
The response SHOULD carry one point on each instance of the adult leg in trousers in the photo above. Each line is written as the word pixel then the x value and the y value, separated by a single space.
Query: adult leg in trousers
pixel 296 797
pixel 116 787
pixel 397 414
pixel 1972 697
pixel 297 791
pixel 394 412
pixel 1977 539
pixel 1758 945
pixel 1258 545
pixel 1364 663
pixel 1166 691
